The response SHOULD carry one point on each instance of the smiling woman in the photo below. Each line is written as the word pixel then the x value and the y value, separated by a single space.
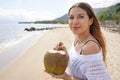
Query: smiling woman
pixel 88 53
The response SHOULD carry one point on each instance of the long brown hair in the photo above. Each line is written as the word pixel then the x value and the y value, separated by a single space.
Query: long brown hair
pixel 95 29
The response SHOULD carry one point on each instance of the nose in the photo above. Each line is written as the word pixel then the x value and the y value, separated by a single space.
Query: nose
pixel 75 21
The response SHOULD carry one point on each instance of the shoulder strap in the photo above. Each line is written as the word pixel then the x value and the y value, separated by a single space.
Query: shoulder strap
pixel 89 41
pixel 75 42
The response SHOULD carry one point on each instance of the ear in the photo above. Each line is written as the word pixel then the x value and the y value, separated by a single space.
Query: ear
pixel 90 21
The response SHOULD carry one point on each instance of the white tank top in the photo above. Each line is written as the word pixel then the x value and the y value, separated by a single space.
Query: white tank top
pixel 87 67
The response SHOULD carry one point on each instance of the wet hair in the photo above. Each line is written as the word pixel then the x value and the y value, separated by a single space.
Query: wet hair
pixel 95 29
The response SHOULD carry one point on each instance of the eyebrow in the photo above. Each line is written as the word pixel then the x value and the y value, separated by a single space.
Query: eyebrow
pixel 80 14
pixel 77 14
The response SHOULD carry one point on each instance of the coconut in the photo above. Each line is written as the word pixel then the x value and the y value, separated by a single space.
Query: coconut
pixel 55 61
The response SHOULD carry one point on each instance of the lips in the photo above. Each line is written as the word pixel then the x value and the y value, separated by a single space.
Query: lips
pixel 75 28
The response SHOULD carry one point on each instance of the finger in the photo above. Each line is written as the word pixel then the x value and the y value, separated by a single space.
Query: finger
pixel 57 46
pixel 63 48
pixel 56 76
pixel 60 43
pixel 50 73
pixel 46 71
pixel 53 75
pixel 60 46
pixel 54 48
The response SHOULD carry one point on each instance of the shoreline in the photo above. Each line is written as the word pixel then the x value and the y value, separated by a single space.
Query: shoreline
pixel 30 65
pixel 10 53
pixel 34 55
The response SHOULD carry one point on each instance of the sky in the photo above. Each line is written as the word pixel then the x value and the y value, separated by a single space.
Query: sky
pixel 34 10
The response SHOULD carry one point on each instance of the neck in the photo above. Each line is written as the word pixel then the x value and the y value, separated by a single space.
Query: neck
pixel 83 37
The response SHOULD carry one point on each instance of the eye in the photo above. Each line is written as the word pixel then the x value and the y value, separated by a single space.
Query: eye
pixel 81 16
pixel 71 17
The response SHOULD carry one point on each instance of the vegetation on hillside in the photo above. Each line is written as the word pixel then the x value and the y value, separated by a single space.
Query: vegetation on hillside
pixel 110 13
pixel 52 21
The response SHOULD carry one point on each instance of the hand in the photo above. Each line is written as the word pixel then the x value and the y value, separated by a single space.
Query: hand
pixel 64 76
pixel 60 46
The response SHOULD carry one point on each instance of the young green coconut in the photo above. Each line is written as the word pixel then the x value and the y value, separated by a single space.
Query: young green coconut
pixel 55 61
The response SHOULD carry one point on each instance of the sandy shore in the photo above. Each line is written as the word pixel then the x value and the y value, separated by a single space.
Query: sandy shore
pixel 113 54
pixel 30 65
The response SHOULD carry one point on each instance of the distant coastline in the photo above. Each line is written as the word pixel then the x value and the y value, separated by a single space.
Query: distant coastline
pixel 46 22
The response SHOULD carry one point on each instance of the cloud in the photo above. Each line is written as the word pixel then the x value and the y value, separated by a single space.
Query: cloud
pixel 22 15
pixel 94 3
pixel 104 3
pixel 41 12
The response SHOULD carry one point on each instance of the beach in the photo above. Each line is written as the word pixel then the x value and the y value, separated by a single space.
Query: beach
pixel 29 65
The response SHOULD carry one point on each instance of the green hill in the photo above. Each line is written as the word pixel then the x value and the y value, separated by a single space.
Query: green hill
pixel 65 17
pixel 109 13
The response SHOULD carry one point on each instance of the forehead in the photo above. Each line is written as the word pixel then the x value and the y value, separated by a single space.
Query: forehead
pixel 77 11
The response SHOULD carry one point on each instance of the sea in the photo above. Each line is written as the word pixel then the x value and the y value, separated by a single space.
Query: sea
pixel 14 40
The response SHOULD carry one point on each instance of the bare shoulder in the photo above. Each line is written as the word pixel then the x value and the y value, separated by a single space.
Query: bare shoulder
pixel 90 48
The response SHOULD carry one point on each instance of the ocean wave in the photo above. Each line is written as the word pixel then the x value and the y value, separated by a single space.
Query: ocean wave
pixel 15 39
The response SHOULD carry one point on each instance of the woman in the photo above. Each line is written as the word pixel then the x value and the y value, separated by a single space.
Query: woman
pixel 88 53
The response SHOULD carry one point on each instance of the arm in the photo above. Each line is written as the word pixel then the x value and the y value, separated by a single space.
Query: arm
pixel 94 67
pixel 95 70
pixel 68 77
pixel 65 76
pixel 60 46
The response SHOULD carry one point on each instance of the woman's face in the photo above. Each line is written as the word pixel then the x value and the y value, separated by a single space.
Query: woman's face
pixel 79 21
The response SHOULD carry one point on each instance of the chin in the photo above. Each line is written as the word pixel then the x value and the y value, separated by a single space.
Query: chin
pixel 75 33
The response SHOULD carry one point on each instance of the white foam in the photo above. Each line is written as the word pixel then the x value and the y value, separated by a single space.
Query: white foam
pixel 31 37
pixel 16 48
